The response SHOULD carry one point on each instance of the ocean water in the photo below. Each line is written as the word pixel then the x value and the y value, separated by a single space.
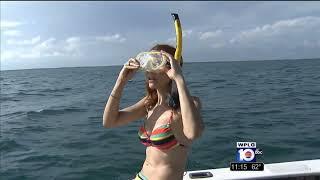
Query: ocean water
pixel 51 119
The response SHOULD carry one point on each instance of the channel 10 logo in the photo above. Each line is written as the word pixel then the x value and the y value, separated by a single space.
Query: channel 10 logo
pixel 247 151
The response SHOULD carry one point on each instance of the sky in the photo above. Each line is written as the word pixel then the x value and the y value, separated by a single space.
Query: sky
pixel 74 34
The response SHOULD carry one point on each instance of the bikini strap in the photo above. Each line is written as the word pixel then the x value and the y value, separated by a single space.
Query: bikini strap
pixel 144 123
pixel 171 117
pixel 146 118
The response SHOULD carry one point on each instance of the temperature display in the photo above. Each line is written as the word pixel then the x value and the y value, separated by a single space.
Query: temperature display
pixel 248 166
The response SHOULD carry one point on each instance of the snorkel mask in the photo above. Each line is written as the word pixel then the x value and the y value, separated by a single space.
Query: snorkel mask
pixel 154 60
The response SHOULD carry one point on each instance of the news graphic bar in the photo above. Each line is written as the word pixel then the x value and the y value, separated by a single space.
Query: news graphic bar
pixel 249 166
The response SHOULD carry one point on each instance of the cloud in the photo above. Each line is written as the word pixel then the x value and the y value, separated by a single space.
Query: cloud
pixel 70 47
pixel 111 38
pixel 218 45
pixel 9 24
pixel 278 28
pixel 8 55
pixel 73 40
pixel 171 40
pixel 13 33
pixel 53 48
pixel 33 49
pixel 45 45
pixel 32 41
pixel 73 45
pixel 186 33
pixel 210 34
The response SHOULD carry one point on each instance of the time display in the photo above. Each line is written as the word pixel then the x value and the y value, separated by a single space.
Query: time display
pixel 247 166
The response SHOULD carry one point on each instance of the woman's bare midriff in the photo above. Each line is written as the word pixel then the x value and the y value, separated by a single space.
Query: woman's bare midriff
pixel 165 165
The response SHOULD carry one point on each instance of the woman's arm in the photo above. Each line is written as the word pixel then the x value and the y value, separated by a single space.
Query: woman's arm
pixel 189 106
pixel 190 111
pixel 111 111
pixel 112 117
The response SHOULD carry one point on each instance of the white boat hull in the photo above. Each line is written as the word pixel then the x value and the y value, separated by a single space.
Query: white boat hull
pixel 274 170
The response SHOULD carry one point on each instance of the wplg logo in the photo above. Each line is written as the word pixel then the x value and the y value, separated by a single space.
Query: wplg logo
pixel 247 151
pixel 246 157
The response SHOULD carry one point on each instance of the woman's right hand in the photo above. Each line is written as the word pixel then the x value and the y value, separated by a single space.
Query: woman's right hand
pixel 128 70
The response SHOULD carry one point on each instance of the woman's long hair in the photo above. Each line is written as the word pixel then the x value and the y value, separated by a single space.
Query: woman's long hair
pixel 151 94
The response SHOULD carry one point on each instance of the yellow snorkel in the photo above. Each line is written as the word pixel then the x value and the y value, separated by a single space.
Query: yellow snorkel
pixel 178 28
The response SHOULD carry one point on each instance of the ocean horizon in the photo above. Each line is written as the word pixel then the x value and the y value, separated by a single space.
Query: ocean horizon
pixel 186 62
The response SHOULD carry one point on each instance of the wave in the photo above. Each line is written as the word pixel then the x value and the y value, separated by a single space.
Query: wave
pixel 314 102
pixel 43 158
pixel 231 84
pixel 260 125
pixel 29 94
pixel 219 87
pixel 37 128
pixel 55 111
pixel 75 145
pixel 261 112
pixel 217 81
pixel 25 82
pixel 198 84
pixel 40 92
pixel 316 94
pixel 95 119
pixel 8 145
pixel 4 99
pixel 13 114
pixel 58 95
pixel 55 90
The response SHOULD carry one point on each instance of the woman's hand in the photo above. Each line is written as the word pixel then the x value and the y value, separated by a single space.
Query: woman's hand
pixel 128 70
pixel 175 71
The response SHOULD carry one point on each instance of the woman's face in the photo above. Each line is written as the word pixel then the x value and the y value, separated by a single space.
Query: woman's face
pixel 157 79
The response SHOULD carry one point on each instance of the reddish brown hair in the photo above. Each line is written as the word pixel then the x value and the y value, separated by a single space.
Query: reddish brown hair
pixel 151 94
pixel 167 48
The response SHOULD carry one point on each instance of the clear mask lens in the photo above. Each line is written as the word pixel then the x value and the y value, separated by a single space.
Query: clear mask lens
pixel 152 61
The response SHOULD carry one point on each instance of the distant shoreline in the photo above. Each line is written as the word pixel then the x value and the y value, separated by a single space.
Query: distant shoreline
pixel 184 62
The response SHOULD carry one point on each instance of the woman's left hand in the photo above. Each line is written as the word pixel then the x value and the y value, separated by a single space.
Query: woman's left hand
pixel 175 71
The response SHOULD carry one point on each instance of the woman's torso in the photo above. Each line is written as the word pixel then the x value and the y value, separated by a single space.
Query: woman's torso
pixel 165 163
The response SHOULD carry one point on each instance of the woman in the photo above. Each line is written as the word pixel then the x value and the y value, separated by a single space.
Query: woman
pixel 172 117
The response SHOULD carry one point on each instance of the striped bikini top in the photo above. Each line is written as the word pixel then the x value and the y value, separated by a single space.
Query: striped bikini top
pixel 161 138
